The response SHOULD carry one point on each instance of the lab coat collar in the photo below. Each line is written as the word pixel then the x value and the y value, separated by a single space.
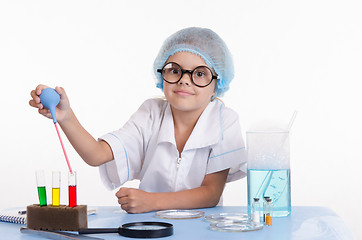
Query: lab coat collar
pixel 167 128
pixel 207 131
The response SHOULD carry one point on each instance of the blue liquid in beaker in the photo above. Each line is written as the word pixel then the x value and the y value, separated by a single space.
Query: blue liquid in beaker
pixel 270 183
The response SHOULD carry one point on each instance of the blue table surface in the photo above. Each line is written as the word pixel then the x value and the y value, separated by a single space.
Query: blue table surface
pixel 303 223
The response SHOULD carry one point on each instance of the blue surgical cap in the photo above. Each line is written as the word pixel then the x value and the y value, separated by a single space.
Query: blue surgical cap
pixel 204 43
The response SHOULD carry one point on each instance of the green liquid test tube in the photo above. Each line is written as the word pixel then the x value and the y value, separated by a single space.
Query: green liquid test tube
pixel 42 196
pixel 40 181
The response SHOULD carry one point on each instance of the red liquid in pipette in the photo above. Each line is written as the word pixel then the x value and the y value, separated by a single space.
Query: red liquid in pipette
pixel 65 153
pixel 72 190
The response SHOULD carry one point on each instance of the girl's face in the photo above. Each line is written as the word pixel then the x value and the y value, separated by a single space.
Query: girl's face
pixel 184 95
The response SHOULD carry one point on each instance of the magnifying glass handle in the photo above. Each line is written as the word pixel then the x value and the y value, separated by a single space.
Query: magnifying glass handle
pixel 97 230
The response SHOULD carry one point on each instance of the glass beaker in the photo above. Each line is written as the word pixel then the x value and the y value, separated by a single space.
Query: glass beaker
pixel 268 172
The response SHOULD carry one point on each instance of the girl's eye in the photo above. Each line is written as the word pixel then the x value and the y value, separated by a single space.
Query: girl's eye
pixel 199 74
pixel 174 71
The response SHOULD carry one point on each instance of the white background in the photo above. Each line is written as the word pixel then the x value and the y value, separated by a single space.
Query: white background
pixel 289 55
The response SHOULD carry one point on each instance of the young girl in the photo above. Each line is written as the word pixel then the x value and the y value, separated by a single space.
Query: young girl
pixel 182 149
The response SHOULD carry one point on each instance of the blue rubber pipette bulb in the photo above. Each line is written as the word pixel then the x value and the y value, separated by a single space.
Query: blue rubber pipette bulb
pixel 50 99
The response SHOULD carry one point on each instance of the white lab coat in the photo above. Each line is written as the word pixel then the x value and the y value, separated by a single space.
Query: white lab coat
pixel 145 149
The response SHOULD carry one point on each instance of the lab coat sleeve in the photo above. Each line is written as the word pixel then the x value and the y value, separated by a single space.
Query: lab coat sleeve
pixel 230 151
pixel 127 144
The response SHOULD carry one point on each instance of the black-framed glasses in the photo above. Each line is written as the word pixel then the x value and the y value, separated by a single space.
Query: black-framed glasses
pixel 201 76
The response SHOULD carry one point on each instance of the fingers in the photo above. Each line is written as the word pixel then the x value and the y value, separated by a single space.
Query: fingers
pixel 35 101
pixel 62 93
pixel 123 191
pixel 122 195
pixel 59 90
pixel 126 207
pixel 40 88
pixel 124 204
pixel 123 199
pixel 45 112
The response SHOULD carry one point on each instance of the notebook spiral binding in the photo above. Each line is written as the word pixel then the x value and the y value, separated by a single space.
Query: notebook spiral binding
pixel 20 219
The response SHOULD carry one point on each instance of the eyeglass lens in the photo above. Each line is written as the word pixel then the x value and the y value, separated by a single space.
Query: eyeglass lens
pixel 201 76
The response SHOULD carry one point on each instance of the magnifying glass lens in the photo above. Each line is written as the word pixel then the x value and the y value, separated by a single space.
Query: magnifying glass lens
pixel 145 227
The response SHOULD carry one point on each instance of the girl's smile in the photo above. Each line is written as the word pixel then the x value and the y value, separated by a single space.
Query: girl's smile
pixel 183 93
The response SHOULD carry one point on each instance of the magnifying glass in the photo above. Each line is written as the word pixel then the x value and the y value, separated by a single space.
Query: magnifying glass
pixel 135 230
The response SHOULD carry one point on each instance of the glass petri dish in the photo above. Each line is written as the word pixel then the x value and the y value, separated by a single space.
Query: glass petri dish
pixel 220 217
pixel 231 226
pixel 180 214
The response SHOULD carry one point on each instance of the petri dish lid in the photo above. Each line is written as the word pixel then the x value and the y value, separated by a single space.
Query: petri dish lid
pixel 180 214
pixel 231 226
pixel 222 217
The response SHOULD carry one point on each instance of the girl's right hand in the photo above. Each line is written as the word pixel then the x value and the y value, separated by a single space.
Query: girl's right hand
pixel 62 109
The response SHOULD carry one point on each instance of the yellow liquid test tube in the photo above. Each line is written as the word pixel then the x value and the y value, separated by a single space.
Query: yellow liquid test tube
pixel 56 189
pixel 56 197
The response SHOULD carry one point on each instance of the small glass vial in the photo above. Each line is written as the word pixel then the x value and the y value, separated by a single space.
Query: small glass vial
pixel 72 189
pixel 265 207
pixel 56 188
pixel 269 213
pixel 40 182
pixel 255 211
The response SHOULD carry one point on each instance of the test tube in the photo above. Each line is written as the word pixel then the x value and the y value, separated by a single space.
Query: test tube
pixel 56 188
pixel 40 182
pixel 72 189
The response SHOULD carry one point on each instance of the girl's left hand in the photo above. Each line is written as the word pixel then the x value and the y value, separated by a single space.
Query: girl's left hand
pixel 134 200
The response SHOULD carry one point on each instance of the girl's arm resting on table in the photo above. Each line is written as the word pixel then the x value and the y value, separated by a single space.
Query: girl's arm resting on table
pixel 207 195
pixel 93 152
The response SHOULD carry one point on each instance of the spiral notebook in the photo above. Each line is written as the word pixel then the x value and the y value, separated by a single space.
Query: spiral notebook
pixel 12 216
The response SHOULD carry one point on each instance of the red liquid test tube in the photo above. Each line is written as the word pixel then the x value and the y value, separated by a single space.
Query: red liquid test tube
pixel 72 189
